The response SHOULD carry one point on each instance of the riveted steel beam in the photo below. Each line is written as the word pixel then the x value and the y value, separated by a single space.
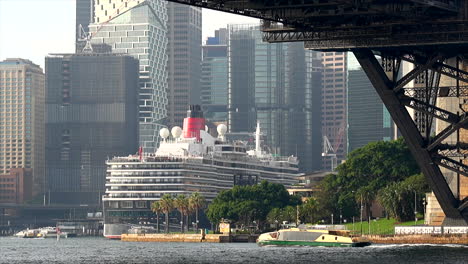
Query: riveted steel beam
pixel 412 136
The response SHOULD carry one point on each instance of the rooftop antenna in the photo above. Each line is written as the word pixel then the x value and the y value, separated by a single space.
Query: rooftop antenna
pixel 85 37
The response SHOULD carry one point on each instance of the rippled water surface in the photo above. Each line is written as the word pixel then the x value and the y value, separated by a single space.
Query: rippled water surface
pixel 100 250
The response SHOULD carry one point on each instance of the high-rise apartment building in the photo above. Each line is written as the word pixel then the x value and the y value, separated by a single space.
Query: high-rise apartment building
pixel 92 115
pixel 139 28
pixel 184 51
pixel 214 79
pixel 84 16
pixel 334 103
pixel 277 85
pixel 368 118
pixel 22 119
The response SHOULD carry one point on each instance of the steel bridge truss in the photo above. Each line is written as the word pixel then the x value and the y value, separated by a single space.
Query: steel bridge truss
pixel 423 32
pixel 429 151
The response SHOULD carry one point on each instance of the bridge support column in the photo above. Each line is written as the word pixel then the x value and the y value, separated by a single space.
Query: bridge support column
pixel 427 151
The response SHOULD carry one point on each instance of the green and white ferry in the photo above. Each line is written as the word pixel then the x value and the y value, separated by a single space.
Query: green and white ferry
pixel 314 237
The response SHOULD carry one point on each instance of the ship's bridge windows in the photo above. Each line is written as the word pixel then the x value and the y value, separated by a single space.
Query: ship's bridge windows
pixel 227 149
pixel 126 204
pixel 140 204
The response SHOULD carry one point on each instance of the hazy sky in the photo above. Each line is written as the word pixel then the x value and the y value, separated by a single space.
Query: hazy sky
pixel 31 29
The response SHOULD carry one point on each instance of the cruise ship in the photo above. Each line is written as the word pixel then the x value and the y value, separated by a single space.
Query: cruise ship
pixel 188 160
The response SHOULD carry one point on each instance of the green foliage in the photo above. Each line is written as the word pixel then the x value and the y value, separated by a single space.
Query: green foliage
pixel 309 211
pixel 398 198
pixel 365 172
pixel 244 204
pixel 167 205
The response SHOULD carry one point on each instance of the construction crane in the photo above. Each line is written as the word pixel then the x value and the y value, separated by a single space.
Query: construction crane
pixel 329 151
pixel 87 36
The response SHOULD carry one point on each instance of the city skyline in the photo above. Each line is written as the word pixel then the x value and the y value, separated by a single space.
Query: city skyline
pixel 49 36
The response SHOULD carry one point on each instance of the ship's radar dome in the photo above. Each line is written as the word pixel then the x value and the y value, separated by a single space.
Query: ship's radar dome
pixel 176 132
pixel 164 132
pixel 222 128
pixel 206 128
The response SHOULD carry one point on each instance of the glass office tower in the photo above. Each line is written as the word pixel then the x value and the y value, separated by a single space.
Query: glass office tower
pixel 279 86
pixel 91 115
pixel 139 28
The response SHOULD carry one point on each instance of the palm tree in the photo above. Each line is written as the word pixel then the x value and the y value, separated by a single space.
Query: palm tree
pixel 182 203
pixel 156 208
pixel 167 204
pixel 196 201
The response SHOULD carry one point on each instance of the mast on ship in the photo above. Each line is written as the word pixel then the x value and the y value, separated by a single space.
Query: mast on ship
pixel 258 148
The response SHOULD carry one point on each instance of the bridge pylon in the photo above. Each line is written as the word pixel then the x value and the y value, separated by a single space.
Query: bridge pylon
pixel 441 150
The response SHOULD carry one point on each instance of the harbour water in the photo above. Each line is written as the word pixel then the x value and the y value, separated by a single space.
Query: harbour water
pixel 100 250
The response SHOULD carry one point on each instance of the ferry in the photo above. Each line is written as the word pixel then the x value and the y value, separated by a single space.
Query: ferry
pixel 304 236
pixel 188 160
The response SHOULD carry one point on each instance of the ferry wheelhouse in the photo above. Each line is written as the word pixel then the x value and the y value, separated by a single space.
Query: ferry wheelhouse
pixel 191 160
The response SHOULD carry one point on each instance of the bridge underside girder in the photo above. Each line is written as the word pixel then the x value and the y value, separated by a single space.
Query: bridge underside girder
pixel 429 152
pixel 425 33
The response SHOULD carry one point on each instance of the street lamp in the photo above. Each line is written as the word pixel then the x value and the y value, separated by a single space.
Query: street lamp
pixel 276 225
pixel 424 209
pixel 331 219
pixel 181 226
pixel 415 208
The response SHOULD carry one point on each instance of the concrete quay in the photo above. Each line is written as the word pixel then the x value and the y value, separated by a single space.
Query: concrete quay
pixel 193 238
pixel 460 239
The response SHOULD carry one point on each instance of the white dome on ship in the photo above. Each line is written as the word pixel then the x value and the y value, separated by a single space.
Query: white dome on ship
pixel 176 131
pixel 206 128
pixel 222 128
pixel 164 132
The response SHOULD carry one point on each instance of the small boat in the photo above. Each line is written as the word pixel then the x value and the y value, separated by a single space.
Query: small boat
pixel 311 237
pixel 53 232
pixel 43 232
pixel 27 233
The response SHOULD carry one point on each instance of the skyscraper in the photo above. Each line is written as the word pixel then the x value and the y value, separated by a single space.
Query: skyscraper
pixel 139 28
pixel 92 115
pixel 277 85
pixel 368 118
pixel 214 79
pixel 84 16
pixel 184 51
pixel 22 119
pixel 334 103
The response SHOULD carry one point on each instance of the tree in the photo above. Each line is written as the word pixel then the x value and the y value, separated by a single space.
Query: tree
pixel 181 202
pixel 167 205
pixel 156 208
pixel 245 204
pixel 365 196
pixel 309 211
pixel 196 201
pixel 365 172
pixel 397 198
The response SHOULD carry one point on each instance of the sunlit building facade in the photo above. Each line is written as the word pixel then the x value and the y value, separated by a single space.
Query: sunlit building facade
pixel 22 119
